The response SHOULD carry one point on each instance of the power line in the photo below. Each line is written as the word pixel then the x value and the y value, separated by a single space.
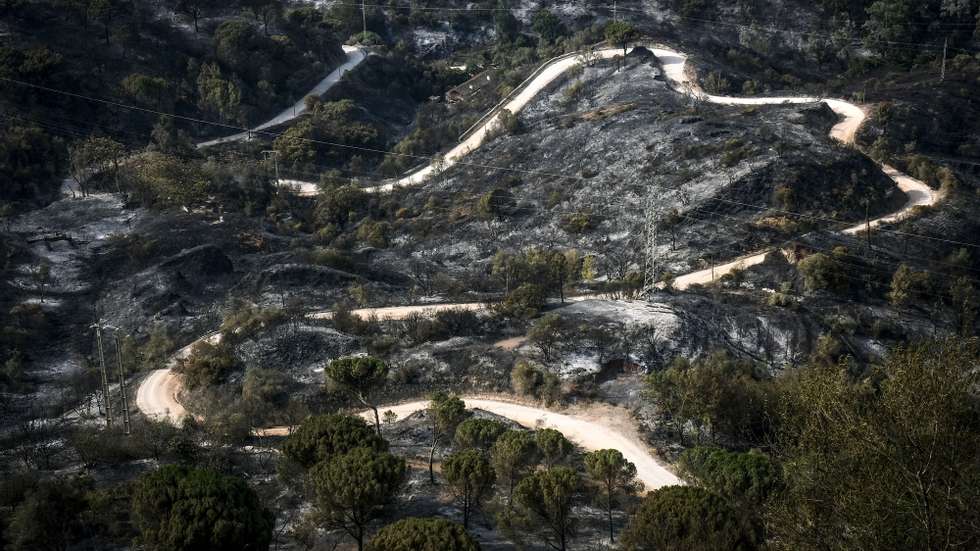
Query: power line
pixel 378 151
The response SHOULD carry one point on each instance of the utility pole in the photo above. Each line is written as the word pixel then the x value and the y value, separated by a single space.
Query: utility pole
pixel 122 384
pixel 942 75
pixel 867 225
pixel 275 158
pixel 363 22
pixel 105 375
pixel 651 257
pixel 615 10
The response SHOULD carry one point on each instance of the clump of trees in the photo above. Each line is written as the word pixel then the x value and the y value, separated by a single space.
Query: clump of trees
pixel 32 164
pixel 183 508
pixel 423 534
pixel 359 377
pixel 207 365
pixel 681 518
pixel 720 398
pixel 530 276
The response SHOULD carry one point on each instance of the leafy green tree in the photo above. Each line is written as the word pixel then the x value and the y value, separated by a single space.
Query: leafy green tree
pixel 507 26
pixel 321 437
pixel 31 164
pixel 553 446
pixel 470 479
pixel 513 455
pixel 180 509
pixel 621 33
pixel 966 302
pixel 48 519
pixel 219 95
pixel 890 24
pixel 546 334
pixel 548 25
pixel 264 11
pixel 530 379
pixel 359 376
pixel 615 476
pixel 546 499
pixel 478 433
pixel 523 302
pixel 447 412
pixel 496 203
pixel 723 398
pixel 353 489
pixel 147 89
pixel 338 206
pixel 745 478
pixel 95 155
pixel 688 518
pixel 423 534
pixel 195 9
pixel 885 461
pixel 207 365
pixel 163 180
pixel 907 284
pixel 822 271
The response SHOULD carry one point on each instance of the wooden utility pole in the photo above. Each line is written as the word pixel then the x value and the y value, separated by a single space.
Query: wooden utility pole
pixel 942 75
pixel 275 158
pixel 105 375
pixel 122 385
pixel 363 22
pixel 867 225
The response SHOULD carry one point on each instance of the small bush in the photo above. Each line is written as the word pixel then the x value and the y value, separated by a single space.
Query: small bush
pixel 528 379
pixel 207 365
pixel 523 303
pixel 577 223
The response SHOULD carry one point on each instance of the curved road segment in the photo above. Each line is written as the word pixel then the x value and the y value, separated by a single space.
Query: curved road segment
pixel 355 56
pixel 157 395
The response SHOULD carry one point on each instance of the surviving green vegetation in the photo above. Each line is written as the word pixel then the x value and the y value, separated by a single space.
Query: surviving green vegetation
pixel 633 317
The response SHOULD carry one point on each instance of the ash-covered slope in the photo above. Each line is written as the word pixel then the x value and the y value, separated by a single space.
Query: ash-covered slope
pixel 583 159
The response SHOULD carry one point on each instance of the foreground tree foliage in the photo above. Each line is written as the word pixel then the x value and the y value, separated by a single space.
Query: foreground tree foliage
pixel 48 518
pixel 513 455
pixel 615 477
pixel 353 489
pixel 887 461
pixel 546 499
pixel 553 446
pixel 359 376
pixel 207 365
pixel 31 164
pixel 478 433
pixel 470 479
pixel 721 397
pixel 685 518
pixel 176 508
pixel 321 437
pixel 746 479
pixel 447 412
pixel 423 534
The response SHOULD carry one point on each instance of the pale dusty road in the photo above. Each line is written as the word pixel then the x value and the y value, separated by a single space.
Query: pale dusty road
pixel 852 116
pixel 355 56
pixel 402 312
pixel 595 427
pixel 157 395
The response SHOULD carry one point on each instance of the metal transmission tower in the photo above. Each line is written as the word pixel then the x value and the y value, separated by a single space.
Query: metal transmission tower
pixel 106 399
pixel 657 203
pixel 651 256
pixel 122 384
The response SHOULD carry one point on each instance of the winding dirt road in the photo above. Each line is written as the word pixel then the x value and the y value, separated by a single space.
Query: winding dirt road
pixel 598 426
pixel 355 56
